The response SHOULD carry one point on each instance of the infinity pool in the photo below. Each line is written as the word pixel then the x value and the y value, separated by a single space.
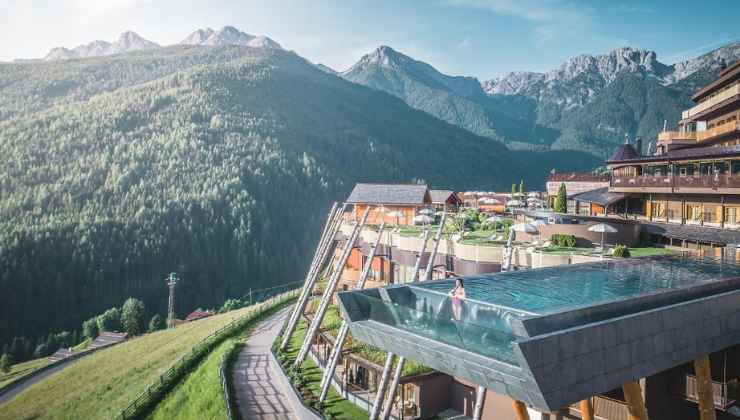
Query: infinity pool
pixel 552 289
pixel 494 301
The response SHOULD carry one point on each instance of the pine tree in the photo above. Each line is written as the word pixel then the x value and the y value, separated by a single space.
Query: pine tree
pixel 132 316
pixel 513 191
pixel 521 187
pixel 561 201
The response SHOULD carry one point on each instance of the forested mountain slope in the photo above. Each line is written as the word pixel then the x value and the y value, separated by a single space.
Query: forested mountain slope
pixel 215 162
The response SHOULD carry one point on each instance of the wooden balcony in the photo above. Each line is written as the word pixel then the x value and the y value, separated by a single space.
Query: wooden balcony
pixel 672 136
pixel 694 183
pixel 605 408
pixel 717 131
pixel 711 102
pixel 725 393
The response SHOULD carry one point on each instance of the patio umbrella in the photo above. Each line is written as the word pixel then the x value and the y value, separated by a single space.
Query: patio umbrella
pixel 519 227
pixel 513 203
pixel 532 194
pixel 489 200
pixel 603 228
pixel 423 219
pixel 427 211
pixel 495 219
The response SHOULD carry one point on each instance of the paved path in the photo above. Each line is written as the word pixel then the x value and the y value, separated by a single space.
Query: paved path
pixel 33 378
pixel 259 392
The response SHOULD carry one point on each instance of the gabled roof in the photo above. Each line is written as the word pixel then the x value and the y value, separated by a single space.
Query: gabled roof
pixel 414 194
pixel 625 152
pixel 441 196
pixel 198 315
pixel 600 196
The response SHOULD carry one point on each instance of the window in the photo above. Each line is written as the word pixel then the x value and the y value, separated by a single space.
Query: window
pixel 693 212
pixel 731 215
pixel 735 166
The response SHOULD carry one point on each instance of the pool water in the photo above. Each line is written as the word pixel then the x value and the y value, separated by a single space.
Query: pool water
pixel 547 290
pixel 484 323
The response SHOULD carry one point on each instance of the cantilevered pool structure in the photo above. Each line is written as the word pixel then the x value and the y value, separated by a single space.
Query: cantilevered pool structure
pixel 552 337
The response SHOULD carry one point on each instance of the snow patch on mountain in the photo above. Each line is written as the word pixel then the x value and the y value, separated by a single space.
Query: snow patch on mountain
pixel 229 35
pixel 126 42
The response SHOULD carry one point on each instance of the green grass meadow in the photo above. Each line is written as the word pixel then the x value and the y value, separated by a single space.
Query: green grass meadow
pixel 99 386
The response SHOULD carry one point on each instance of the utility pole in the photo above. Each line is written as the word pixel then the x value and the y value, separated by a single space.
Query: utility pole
pixel 171 282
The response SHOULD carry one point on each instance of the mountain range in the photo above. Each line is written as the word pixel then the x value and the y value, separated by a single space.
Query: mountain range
pixel 130 41
pixel 589 103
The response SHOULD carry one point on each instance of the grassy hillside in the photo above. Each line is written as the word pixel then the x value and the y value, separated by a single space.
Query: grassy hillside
pixel 200 396
pixel 101 385
pixel 19 370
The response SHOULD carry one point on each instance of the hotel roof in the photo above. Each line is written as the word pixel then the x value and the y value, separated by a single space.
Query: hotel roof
pixel 414 194
pixel 600 196
pixel 554 336
pixel 683 154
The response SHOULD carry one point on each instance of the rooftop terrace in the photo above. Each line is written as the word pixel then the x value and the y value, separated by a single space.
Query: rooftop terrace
pixel 553 336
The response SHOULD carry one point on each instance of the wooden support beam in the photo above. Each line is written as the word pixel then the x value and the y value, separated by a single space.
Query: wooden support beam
pixel 520 410
pixel 587 409
pixel 635 404
pixel 704 388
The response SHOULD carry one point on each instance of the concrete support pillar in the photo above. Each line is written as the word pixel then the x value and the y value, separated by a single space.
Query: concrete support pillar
pixel 635 403
pixel 480 399
pixel 587 409
pixel 704 388
pixel 520 410
pixel 392 388
pixel 380 395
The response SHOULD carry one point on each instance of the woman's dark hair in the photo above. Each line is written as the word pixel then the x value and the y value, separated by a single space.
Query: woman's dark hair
pixel 461 282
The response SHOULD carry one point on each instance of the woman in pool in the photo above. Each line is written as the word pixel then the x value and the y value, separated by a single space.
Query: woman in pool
pixel 457 294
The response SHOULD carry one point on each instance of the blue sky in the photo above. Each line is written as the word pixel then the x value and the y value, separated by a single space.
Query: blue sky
pixel 482 38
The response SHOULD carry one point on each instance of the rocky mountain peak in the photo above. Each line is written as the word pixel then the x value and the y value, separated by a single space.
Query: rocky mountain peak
pixel 229 35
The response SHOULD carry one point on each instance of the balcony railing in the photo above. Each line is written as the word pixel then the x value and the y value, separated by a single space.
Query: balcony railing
pixel 712 101
pixel 693 181
pixel 724 393
pixel 606 408
pixel 668 136
pixel 642 181
pixel 716 131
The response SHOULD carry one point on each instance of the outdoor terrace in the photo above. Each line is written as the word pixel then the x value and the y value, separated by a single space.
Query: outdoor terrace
pixel 554 336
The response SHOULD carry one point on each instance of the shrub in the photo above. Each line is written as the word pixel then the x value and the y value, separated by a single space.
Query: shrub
pixel 6 362
pixel 563 240
pixel 156 323
pixel 90 328
pixel 621 251
pixel 110 320
pixel 230 305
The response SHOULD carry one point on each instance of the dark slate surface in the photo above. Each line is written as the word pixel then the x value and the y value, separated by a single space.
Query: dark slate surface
pixel 687 153
pixel 389 194
pixel 600 196
pixel 625 152
pixel 693 233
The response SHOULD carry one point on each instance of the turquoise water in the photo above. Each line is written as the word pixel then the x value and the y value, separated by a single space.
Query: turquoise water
pixel 549 290
pixel 483 326
pixel 443 327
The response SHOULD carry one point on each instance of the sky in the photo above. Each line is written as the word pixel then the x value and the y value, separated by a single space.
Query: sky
pixel 481 38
